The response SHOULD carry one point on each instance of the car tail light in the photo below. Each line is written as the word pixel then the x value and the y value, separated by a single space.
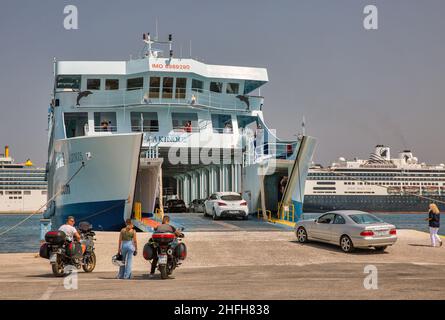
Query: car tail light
pixel 367 233
pixel 393 232
pixel 244 203
pixel 222 204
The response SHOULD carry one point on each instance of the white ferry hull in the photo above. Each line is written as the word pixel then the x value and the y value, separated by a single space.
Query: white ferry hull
pixel 102 192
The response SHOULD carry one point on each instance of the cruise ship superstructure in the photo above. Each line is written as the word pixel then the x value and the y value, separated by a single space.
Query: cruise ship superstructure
pixel 22 186
pixel 125 133
pixel 381 183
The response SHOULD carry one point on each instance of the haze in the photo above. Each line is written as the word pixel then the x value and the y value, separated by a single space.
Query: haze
pixel 356 88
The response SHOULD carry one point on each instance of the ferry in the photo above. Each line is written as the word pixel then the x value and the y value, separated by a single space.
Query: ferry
pixel 381 184
pixel 22 186
pixel 122 132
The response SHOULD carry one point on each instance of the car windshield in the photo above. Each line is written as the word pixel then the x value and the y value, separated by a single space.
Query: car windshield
pixel 364 218
pixel 231 197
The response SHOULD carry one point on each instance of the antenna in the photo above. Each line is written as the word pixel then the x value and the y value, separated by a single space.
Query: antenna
pixel 180 51
pixel 190 46
pixel 170 38
pixel 303 125
pixel 156 29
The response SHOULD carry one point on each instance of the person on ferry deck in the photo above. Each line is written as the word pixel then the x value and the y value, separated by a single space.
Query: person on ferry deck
pixel 128 247
pixel 188 126
pixel 434 224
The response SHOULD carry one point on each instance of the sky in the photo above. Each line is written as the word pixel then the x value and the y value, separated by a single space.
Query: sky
pixel 356 88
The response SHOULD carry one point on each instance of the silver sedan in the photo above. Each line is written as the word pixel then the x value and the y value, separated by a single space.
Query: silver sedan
pixel 348 229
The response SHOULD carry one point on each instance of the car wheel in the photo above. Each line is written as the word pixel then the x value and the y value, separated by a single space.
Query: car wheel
pixel 346 244
pixel 246 217
pixel 214 216
pixel 380 249
pixel 301 235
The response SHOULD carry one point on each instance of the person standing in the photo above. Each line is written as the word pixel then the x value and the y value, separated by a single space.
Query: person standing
pixel 434 224
pixel 128 247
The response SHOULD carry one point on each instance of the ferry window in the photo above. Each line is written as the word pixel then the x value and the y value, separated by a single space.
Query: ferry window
pixel 44 192
pixel 135 83
pixel 167 87
pixel 93 84
pixel 216 86
pixel 155 85
pixel 27 192
pixel 197 85
pixel 112 84
pixel 76 124
pixel 185 122
pixel 105 122
pixel 232 88
pixel 181 85
pixel 68 82
pixel 244 121
pixel 222 123
pixel 144 122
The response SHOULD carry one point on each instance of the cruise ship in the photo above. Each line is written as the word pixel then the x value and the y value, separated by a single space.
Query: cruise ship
pixel 381 184
pixel 22 186
pixel 121 132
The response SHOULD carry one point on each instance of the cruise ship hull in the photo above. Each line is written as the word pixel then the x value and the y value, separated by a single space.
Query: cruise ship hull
pixel 383 203
pixel 102 190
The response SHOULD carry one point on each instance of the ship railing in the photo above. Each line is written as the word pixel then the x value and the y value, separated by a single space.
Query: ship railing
pixel 140 97
pixel 145 128
pixel 223 130
pixel 275 150
pixel 151 153
pixel 105 129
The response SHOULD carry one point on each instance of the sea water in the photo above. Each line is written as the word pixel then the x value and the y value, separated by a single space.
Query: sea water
pixel 25 238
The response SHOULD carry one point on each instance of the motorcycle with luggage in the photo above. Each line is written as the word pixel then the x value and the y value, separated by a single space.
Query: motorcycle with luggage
pixel 63 253
pixel 168 248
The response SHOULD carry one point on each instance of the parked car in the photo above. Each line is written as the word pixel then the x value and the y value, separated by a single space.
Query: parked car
pixel 226 204
pixel 197 205
pixel 175 205
pixel 348 229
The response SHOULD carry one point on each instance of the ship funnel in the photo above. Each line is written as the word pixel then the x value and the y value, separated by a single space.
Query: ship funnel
pixel 6 151
pixel 383 152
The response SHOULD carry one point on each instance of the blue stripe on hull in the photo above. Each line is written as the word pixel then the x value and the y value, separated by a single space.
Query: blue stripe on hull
pixel 390 203
pixel 103 215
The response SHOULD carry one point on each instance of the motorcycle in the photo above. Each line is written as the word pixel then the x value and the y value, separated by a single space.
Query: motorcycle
pixel 169 249
pixel 62 253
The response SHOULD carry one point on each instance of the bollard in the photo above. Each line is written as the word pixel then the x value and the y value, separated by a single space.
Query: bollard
pixel 45 226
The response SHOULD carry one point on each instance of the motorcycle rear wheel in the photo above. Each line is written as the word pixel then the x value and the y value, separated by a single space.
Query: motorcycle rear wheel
pixel 58 268
pixel 90 263
pixel 163 269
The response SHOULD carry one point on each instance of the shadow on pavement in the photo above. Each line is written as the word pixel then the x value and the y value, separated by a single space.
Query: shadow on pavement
pixel 334 248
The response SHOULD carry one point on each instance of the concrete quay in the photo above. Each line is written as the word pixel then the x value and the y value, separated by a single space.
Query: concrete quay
pixel 243 265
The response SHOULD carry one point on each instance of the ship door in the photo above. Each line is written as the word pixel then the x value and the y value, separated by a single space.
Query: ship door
pixel 274 185
pixel 148 188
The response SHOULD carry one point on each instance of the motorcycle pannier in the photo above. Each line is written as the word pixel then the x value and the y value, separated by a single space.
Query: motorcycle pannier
pixel 148 252
pixel 181 251
pixel 74 249
pixel 44 251
pixel 55 237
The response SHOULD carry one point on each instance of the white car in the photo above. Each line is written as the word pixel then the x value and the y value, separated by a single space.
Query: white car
pixel 226 204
